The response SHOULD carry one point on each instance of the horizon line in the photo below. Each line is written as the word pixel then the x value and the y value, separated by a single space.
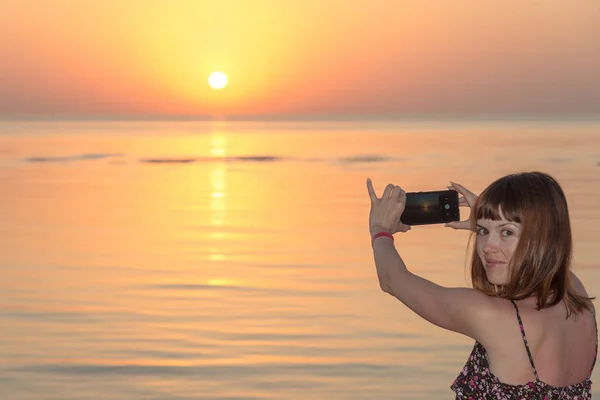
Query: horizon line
pixel 303 117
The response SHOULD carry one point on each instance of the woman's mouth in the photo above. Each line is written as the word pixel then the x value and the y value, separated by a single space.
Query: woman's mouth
pixel 493 263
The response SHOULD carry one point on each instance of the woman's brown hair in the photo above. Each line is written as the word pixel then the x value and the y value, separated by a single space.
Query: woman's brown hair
pixel 540 265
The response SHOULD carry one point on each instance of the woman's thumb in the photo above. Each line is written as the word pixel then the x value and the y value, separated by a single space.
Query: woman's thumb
pixel 458 224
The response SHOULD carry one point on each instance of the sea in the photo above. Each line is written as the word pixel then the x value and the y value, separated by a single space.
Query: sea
pixel 231 260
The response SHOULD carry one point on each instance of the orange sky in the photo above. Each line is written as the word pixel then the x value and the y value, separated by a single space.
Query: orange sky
pixel 335 57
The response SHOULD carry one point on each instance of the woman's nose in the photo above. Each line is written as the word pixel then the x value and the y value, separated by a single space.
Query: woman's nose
pixel 491 245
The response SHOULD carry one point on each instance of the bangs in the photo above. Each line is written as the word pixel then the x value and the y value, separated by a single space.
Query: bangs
pixel 497 201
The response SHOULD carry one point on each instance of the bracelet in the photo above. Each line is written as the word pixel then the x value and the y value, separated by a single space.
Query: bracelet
pixel 380 234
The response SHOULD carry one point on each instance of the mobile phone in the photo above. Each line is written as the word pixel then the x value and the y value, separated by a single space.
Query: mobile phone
pixel 437 207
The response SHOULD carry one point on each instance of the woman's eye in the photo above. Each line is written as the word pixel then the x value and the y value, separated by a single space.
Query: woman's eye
pixel 507 232
pixel 481 231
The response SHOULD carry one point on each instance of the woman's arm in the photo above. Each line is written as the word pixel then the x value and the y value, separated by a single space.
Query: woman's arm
pixel 461 310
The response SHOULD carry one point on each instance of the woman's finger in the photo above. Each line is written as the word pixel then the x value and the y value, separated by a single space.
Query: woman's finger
pixel 463 190
pixel 398 192
pixel 372 194
pixel 402 197
pixel 402 227
pixel 388 191
pixel 469 196
pixel 461 199
pixel 459 224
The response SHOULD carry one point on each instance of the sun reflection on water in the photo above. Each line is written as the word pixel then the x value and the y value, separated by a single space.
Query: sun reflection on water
pixel 218 195
pixel 218 145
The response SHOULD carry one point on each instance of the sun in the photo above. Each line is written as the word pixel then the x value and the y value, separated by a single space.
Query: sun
pixel 217 80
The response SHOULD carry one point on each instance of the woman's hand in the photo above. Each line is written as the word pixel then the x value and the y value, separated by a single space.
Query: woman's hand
pixel 386 210
pixel 468 199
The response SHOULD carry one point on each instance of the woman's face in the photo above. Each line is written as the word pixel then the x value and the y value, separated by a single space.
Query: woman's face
pixel 496 243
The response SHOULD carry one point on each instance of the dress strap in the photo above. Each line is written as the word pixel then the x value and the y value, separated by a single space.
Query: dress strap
pixel 525 341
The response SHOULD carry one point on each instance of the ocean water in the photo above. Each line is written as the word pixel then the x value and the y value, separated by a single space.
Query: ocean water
pixel 232 260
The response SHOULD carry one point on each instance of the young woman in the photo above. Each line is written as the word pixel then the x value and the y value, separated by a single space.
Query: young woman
pixel 532 321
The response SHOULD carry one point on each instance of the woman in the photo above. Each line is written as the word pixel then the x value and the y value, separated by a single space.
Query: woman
pixel 532 321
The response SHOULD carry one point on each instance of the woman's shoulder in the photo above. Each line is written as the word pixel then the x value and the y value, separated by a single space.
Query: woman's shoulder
pixel 562 348
pixel 539 326
pixel 501 326
pixel 578 284
pixel 580 289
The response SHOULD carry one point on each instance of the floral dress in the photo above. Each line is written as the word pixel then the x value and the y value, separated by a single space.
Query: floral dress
pixel 476 381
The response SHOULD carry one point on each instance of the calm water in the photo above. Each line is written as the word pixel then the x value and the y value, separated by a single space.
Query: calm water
pixel 233 261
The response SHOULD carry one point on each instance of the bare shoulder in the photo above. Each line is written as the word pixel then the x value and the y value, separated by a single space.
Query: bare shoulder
pixel 497 327
pixel 578 284
pixel 562 349
pixel 579 288
pixel 497 314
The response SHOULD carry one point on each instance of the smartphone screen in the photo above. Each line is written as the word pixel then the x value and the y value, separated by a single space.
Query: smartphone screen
pixel 438 207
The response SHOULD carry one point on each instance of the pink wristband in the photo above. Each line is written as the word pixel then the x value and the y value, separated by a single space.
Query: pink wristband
pixel 380 234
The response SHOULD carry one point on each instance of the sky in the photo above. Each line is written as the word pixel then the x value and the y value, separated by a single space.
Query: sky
pixel 299 58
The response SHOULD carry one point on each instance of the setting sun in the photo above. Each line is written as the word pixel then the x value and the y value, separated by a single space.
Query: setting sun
pixel 217 80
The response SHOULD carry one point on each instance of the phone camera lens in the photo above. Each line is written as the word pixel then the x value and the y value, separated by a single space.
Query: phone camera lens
pixel 447 206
